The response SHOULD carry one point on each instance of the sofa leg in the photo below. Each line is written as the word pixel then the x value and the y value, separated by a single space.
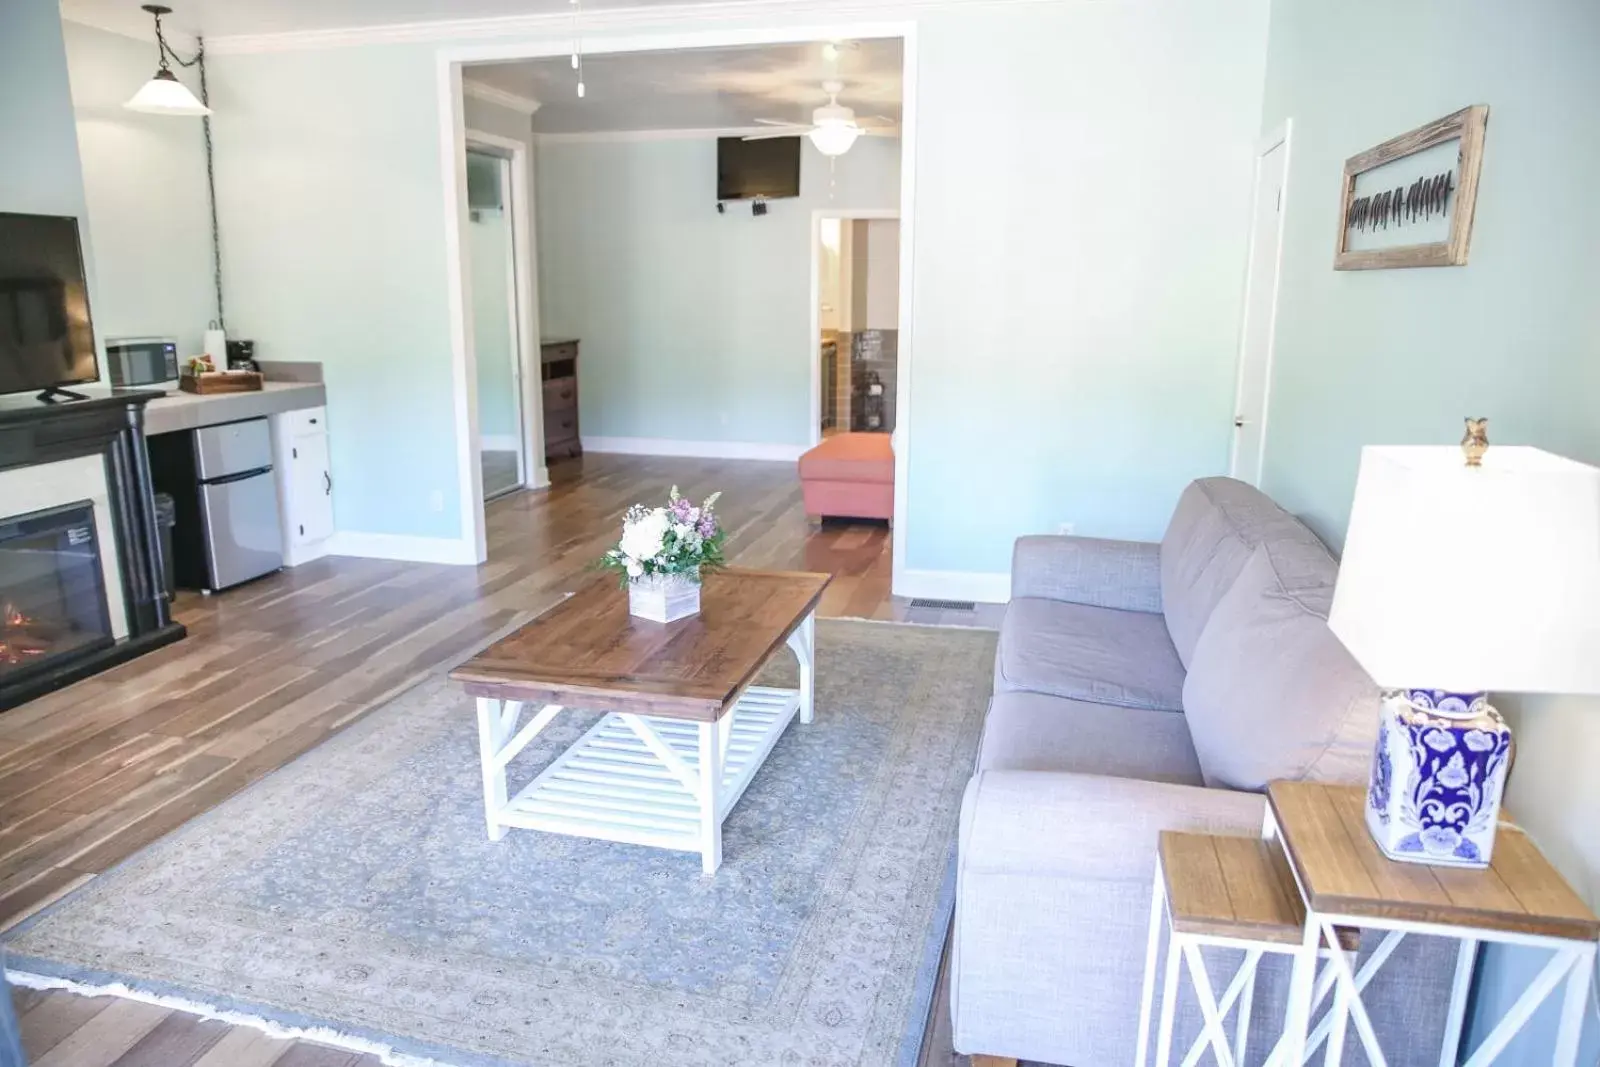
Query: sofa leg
pixel 993 1061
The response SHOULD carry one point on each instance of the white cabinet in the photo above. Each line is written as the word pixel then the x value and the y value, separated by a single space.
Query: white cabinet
pixel 305 483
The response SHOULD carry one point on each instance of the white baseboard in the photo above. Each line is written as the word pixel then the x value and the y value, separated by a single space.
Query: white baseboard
pixel 402 547
pixel 661 446
pixel 499 442
pixel 985 586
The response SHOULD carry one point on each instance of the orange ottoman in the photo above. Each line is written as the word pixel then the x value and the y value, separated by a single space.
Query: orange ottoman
pixel 849 475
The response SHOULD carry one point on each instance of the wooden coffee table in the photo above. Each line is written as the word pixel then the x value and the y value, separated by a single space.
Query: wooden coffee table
pixel 685 730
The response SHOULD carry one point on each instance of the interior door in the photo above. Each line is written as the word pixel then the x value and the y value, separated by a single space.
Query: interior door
pixel 1260 311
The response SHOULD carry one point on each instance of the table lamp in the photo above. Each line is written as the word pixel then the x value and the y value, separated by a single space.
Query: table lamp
pixel 1460 577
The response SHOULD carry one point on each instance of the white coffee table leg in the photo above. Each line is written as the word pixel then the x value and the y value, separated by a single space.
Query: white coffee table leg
pixel 710 773
pixel 496 720
pixel 804 643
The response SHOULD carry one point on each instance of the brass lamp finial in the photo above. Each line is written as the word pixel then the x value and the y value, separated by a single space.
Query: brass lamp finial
pixel 1476 441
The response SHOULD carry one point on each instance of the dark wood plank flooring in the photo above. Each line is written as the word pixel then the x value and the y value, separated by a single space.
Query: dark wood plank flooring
pixel 94 772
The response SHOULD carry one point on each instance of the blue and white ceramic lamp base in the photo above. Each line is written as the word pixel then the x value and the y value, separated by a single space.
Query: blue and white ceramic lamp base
pixel 1437 777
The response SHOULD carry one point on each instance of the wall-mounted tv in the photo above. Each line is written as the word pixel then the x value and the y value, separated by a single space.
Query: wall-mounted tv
pixel 46 337
pixel 768 168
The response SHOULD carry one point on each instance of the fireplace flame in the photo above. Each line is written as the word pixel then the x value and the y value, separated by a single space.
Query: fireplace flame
pixel 18 641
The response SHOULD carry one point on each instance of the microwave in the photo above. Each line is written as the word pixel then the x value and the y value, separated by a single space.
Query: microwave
pixel 137 361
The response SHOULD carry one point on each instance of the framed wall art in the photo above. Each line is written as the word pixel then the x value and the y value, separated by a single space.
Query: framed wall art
pixel 1408 202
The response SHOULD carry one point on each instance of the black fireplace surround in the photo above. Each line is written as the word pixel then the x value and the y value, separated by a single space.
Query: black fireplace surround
pixel 54 628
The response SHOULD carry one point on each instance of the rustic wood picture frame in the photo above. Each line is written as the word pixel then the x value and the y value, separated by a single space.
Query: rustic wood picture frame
pixel 1468 126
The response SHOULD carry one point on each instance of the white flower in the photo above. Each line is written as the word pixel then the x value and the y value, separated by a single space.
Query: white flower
pixel 1439 740
pixel 642 540
pixel 682 530
pixel 1480 740
pixel 635 570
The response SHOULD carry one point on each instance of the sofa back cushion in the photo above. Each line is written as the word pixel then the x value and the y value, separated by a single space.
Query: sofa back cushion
pixel 1217 524
pixel 1271 692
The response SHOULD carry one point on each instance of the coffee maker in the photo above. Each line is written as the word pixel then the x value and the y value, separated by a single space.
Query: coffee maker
pixel 242 355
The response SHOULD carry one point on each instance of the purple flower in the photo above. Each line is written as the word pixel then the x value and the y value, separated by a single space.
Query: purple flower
pixel 708 525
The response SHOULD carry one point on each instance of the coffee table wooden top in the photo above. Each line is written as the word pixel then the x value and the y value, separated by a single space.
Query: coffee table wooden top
pixel 589 652
pixel 1343 873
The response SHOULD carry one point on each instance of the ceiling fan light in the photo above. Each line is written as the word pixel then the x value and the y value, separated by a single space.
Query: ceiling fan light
pixel 164 94
pixel 834 140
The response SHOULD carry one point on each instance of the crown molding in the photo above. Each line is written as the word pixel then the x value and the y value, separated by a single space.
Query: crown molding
pixel 137 26
pixel 692 134
pixel 491 94
pixel 558 24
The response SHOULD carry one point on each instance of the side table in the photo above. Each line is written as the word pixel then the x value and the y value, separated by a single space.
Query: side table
pixel 1345 881
pixel 1224 892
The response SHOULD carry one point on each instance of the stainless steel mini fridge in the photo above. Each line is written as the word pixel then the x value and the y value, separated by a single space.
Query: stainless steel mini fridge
pixel 221 481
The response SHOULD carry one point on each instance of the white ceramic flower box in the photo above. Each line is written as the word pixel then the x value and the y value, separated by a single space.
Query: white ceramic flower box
pixel 663 597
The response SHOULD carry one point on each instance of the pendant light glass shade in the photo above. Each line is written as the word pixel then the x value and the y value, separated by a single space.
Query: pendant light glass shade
pixel 164 94
pixel 834 139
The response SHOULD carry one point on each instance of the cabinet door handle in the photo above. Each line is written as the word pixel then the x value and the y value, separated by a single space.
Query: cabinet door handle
pixel 327 481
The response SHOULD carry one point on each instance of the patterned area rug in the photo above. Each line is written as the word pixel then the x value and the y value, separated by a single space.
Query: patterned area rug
pixel 355 890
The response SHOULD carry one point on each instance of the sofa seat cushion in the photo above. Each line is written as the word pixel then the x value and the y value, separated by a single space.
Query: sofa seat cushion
pixel 1101 655
pixel 1272 693
pixel 850 457
pixel 1036 732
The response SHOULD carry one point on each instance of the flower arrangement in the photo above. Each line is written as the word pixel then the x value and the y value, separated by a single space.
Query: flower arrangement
pixel 680 540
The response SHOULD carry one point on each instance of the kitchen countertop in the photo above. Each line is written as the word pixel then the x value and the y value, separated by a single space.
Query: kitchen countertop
pixel 186 411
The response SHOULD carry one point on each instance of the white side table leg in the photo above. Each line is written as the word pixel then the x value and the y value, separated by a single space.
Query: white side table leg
pixel 1302 979
pixel 1241 1037
pixel 710 771
pixel 1169 999
pixel 1574 1009
pixel 804 643
pixel 1158 906
pixel 1455 1022
pixel 1339 1020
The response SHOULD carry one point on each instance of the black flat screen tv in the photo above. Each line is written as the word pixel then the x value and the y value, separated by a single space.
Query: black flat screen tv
pixel 748 169
pixel 46 337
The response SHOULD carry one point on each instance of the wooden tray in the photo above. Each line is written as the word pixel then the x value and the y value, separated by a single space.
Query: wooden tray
pixel 245 382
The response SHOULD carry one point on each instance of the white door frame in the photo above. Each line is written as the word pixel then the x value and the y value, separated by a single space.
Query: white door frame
pixel 849 215
pixel 452 157
pixel 1279 136
pixel 524 310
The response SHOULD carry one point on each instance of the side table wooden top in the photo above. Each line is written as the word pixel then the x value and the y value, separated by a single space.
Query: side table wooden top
pixel 1238 887
pixel 1342 872
pixel 589 652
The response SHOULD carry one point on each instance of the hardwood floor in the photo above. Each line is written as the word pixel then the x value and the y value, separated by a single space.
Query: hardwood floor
pixel 94 772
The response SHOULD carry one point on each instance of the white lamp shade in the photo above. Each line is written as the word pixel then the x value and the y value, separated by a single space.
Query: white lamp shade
pixel 166 95
pixel 1473 579
pixel 834 139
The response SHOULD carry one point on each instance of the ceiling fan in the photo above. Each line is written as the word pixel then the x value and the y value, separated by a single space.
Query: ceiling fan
pixel 834 127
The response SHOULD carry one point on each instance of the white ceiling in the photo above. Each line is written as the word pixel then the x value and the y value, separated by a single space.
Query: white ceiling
pixel 706 88
pixel 234 18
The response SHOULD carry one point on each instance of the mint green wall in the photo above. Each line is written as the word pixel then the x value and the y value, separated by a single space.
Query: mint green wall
pixel 695 326
pixel 1400 356
pixel 144 179
pixel 330 195
pixel 40 173
pixel 1080 234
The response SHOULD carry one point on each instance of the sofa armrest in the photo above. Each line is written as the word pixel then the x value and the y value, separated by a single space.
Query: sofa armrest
pixel 1088 826
pixel 1088 570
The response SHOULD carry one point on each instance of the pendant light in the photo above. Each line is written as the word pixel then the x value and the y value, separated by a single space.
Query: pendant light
pixel 164 94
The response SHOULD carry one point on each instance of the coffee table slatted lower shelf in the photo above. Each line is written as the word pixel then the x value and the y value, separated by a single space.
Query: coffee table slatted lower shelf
pixel 611 785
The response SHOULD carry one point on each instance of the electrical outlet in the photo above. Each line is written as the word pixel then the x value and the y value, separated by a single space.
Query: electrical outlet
pixel 436 500
pixel 1067 529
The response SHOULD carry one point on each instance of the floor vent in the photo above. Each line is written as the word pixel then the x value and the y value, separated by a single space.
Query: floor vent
pixel 944 605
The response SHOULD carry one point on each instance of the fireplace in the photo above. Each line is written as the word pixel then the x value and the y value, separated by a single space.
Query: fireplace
pixel 52 590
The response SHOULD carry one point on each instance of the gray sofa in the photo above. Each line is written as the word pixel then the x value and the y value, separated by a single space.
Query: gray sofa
pixel 1139 688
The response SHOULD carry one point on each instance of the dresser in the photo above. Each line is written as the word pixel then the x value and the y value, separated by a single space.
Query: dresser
pixel 558 369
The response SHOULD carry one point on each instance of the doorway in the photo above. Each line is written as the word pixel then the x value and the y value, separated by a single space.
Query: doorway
pixel 493 233
pixel 855 322
pixel 1260 308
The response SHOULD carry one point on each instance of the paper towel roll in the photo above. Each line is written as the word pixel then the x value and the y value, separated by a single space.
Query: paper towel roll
pixel 216 346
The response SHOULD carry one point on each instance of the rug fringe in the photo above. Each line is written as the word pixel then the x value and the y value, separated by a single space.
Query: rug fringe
pixel 322 1035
